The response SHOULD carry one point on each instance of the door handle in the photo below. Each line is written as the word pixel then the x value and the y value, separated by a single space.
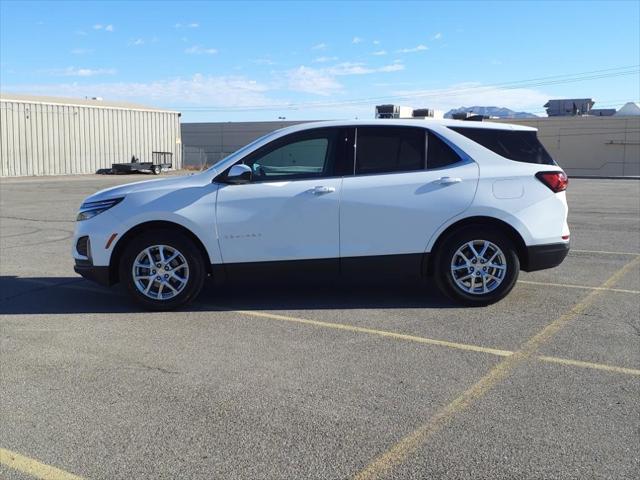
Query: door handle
pixel 449 180
pixel 320 190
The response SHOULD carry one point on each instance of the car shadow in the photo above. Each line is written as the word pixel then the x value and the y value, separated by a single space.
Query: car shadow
pixel 70 295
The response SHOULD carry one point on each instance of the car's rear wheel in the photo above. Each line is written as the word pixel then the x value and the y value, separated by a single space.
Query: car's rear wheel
pixel 477 267
pixel 162 270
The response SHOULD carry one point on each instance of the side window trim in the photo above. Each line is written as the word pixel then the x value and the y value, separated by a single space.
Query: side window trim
pixel 355 151
pixel 426 149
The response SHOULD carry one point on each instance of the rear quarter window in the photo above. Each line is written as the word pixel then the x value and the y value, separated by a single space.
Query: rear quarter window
pixel 518 145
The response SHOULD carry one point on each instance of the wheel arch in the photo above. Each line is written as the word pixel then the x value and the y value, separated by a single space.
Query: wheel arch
pixel 483 222
pixel 120 246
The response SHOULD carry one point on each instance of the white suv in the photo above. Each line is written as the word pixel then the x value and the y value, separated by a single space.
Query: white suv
pixel 467 203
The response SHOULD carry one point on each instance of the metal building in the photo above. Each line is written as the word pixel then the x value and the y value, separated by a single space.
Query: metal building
pixel 63 136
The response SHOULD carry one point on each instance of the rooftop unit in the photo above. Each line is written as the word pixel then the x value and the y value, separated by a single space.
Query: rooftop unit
pixel 602 112
pixel 393 111
pixel 400 111
pixel 569 107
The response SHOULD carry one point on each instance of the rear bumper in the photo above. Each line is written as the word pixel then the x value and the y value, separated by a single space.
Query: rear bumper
pixel 540 257
pixel 98 275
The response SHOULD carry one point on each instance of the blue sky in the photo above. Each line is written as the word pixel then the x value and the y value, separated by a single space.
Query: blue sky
pixel 237 61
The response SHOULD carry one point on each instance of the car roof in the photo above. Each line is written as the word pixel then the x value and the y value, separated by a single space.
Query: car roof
pixel 419 122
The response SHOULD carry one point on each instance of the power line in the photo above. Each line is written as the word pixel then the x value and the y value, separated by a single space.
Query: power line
pixel 532 82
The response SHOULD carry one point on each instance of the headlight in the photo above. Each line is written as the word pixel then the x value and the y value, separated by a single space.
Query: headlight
pixel 91 209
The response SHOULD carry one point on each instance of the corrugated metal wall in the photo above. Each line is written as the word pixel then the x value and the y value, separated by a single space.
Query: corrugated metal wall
pixel 55 139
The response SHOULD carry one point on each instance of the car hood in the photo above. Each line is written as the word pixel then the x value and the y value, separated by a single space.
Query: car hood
pixel 163 184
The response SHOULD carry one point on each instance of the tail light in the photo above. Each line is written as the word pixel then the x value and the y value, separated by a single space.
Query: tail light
pixel 556 181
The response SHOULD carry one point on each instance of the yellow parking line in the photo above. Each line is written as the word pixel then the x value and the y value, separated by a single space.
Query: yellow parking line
pixel 33 467
pixel 380 333
pixel 582 287
pixel 603 252
pixel 431 341
pixel 385 462
pixel 595 366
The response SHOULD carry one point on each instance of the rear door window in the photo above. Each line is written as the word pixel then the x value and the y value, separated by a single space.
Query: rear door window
pixel 518 145
pixel 389 149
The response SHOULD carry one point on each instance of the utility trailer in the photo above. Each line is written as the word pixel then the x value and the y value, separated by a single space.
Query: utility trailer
pixel 160 162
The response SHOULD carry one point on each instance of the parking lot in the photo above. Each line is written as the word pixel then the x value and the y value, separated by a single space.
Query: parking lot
pixel 324 383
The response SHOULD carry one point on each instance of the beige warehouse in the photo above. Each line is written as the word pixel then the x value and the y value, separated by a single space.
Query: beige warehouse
pixel 63 136
pixel 590 146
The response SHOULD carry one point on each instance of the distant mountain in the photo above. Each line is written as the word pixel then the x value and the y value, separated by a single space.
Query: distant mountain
pixel 499 112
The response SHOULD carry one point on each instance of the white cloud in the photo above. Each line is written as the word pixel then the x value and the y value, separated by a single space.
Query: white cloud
pixel 81 32
pixel 357 40
pixel 187 25
pixel 200 50
pixel 81 51
pixel 394 67
pixel 323 81
pixel 437 36
pixel 351 68
pixel 263 61
pixel 137 42
pixel 324 59
pixel 81 72
pixel 106 28
pixel 319 46
pixel 311 80
pixel 419 48
pixel 475 94
pixel 199 89
pixel 380 53
pixel 376 42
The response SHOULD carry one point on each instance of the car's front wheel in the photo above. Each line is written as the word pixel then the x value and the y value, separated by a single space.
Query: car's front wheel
pixel 162 270
pixel 477 267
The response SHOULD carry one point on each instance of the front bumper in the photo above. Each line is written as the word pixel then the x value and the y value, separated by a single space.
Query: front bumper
pixel 100 275
pixel 540 257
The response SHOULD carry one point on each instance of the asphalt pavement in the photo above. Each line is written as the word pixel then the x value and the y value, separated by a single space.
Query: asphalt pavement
pixel 313 382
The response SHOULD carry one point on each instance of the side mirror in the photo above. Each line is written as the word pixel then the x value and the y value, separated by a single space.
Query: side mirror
pixel 239 174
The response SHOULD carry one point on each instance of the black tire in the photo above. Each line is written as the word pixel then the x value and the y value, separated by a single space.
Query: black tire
pixel 180 243
pixel 445 255
pixel 156 169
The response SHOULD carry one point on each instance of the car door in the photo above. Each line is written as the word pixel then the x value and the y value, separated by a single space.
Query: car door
pixel 396 201
pixel 289 210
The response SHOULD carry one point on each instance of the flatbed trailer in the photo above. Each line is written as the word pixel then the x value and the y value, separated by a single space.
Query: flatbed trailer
pixel 160 161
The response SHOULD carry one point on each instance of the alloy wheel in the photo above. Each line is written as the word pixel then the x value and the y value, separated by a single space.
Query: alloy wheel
pixel 478 267
pixel 160 272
